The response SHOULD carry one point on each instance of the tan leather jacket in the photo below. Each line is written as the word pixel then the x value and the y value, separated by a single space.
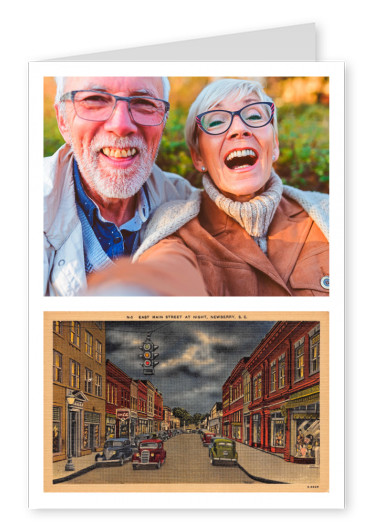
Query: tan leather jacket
pixel 213 255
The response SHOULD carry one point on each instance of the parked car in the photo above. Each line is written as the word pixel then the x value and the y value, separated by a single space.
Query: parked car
pixel 207 437
pixel 223 450
pixel 116 450
pixel 150 452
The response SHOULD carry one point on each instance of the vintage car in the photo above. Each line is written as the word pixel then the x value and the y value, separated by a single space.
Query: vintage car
pixel 119 450
pixel 150 452
pixel 222 450
pixel 206 438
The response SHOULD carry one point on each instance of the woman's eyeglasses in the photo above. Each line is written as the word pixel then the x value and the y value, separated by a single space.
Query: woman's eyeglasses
pixel 98 106
pixel 217 122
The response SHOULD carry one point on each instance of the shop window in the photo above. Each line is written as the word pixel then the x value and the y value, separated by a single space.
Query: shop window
pixel 88 344
pixel 299 360
pixel 98 351
pixel 91 430
pixel 56 429
pixel 88 381
pixel 307 436
pixel 74 374
pixel 277 432
pixel 58 366
pixel 110 430
pixel 281 371
pixel 273 376
pixel 256 429
pixel 75 333
pixel 314 350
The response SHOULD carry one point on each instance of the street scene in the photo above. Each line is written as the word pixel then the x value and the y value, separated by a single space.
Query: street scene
pixel 230 402
pixel 187 462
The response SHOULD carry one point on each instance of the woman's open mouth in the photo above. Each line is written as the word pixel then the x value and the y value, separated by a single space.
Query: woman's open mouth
pixel 241 158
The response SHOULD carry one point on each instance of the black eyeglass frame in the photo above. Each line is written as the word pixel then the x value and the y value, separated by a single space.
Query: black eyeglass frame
pixel 236 113
pixel 71 95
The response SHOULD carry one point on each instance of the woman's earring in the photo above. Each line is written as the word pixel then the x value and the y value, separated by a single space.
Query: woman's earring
pixel 203 168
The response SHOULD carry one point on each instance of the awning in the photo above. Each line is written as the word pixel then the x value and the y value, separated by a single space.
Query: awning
pixel 302 398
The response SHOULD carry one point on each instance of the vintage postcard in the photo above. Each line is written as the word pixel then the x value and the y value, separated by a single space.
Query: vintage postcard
pixel 186 402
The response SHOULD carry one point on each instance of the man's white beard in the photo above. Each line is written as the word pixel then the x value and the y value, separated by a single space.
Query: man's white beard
pixel 114 183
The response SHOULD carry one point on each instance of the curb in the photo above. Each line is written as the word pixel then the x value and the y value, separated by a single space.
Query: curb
pixel 262 480
pixel 75 474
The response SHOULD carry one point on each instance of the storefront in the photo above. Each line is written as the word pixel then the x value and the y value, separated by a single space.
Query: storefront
pixel 142 426
pixel 75 405
pixel 256 429
pixel 226 428
pixel 247 429
pixel 91 433
pixel 56 429
pixel 110 426
pixel 236 431
pixel 133 425
pixel 303 409
pixel 277 431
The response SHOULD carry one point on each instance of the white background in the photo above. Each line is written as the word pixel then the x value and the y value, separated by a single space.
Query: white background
pixel 41 30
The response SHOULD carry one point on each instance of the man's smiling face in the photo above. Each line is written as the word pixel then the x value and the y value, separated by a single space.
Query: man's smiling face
pixel 115 156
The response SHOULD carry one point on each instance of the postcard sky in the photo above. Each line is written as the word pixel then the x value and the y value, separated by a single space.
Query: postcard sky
pixel 195 358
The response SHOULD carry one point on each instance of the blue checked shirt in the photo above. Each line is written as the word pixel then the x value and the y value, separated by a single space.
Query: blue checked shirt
pixel 115 241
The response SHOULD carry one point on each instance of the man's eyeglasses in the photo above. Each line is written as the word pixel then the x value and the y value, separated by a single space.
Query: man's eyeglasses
pixel 98 106
pixel 253 115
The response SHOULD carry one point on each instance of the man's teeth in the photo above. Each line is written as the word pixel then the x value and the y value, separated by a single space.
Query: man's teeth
pixel 241 153
pixel 119 153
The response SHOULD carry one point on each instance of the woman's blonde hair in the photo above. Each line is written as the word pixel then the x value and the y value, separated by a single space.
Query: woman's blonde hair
pixel 216 92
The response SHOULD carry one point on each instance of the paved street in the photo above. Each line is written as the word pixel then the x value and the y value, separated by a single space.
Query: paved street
pixel 187 462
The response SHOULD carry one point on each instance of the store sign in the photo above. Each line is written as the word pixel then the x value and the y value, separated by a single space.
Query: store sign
pixel 122 414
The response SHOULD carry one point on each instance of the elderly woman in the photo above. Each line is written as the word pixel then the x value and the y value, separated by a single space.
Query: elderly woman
pixel 247 234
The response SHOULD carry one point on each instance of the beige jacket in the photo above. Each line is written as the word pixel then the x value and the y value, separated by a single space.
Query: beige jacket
pixel 212 255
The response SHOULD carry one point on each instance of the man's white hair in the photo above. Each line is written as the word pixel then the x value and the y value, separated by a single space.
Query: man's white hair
pixel 60 85
pixel 216 92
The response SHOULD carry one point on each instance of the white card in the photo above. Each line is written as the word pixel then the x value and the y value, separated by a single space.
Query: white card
pixel 194 59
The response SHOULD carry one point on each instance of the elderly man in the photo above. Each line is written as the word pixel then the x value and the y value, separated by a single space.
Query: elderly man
pixel 102 186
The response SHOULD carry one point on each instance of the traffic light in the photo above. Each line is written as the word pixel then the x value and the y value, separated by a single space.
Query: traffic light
pixel 149 356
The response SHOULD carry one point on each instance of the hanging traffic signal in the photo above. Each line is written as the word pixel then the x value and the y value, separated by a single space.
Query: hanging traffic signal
pixel 148 354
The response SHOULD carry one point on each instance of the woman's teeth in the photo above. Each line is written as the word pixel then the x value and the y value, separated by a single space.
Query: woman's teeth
pixel 241 153
pixel 241 158
pixel 119 153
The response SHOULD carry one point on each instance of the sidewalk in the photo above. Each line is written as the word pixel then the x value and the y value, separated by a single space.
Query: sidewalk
pixel 81 466
pixel 270 468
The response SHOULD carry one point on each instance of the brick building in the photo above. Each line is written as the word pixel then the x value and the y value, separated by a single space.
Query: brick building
pixel 284 405
pixel 232 398
pixel 79 375
pixel 118 402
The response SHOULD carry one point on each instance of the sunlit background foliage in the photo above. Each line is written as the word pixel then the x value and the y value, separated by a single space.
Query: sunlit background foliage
pixel 303 124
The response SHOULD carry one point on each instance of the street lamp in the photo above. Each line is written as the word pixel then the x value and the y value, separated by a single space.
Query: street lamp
pixel 69 466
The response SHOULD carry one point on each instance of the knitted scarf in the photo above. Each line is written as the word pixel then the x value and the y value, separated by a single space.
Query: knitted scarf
pixel 255 215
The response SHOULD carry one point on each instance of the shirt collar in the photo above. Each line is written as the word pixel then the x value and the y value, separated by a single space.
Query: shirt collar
pixel 91 209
